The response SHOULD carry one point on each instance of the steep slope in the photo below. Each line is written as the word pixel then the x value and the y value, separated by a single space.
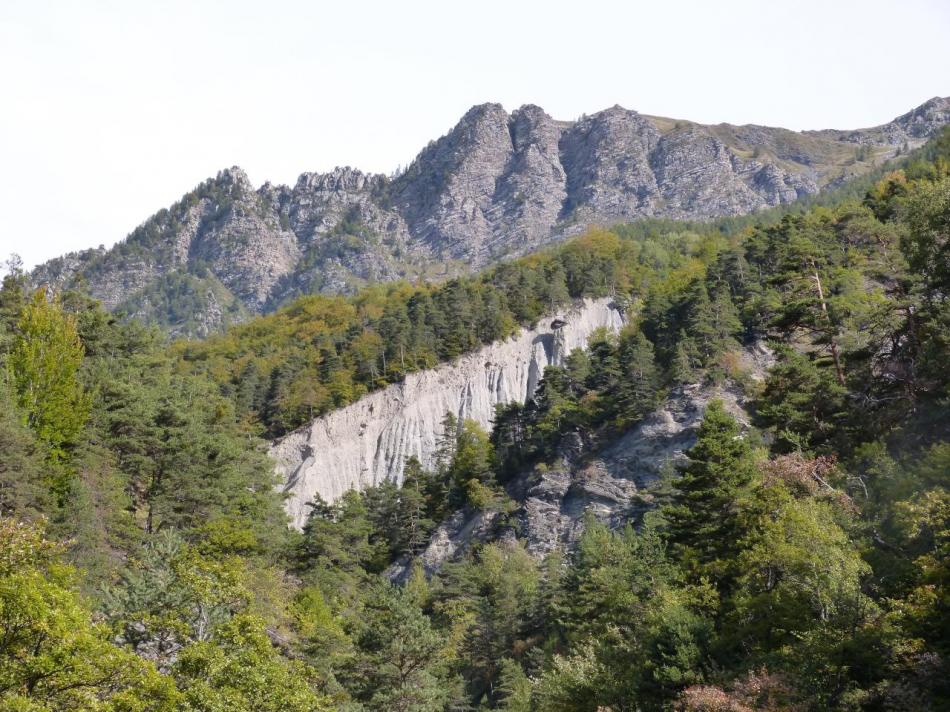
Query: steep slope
pixel 497 184
pixel 614 481
pixel 368 441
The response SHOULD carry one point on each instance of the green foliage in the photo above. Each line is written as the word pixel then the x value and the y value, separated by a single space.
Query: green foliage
pixel 811 576
pixel 704 520
pixel 44 362
pixel 174 299
pixel 638 391
pixel 634 635
pixel 489 603
pixel 23 490
pixel 186 459
pixel 52 655
pixel 241 670
pixel 400 662
pixel 171 597
pixel 803 402
pixel 798 570
pixel 927 240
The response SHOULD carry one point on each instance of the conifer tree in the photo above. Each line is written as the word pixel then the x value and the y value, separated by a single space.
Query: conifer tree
pixel 637 392
pixel 704 521
pixel 417 512
pixel 682 368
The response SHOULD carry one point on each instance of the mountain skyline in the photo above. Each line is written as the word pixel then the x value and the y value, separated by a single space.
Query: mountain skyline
pixel 36 252
pixel 495 186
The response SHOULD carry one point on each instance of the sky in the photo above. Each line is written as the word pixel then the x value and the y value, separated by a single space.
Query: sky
pixel 111 110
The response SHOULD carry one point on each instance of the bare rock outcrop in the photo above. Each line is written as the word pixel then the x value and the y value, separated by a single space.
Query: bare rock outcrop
pixel 496 185
pixel 614 481
pixel 368 441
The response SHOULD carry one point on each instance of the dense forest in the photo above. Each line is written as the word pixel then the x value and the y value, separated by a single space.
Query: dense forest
pixel 797 563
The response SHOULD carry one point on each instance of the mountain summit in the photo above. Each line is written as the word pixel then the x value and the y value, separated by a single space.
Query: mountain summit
pixel 496 185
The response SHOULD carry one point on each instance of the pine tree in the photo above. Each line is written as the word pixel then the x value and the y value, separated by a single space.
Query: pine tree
pixel 704 522
pixel 725 320
pixel 472 472
pixel 700 322
pixel 682 369
pixel 23 492
pixel 637 391
pixel 12 299
pixel 447 442
pixel 400 661
pixel 804 402
pixel 418 511
pixel 605 371
pixel 712 323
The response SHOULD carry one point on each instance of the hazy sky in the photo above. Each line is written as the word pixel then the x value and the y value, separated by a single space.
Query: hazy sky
pixel 112 110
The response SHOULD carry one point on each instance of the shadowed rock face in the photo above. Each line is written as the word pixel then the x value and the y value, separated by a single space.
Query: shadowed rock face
pixel 614 481
pixel 496 185
pixel 368 441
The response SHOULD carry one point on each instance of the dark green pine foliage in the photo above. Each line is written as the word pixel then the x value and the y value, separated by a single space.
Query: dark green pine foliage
pixel 186 459
pixel 804 403
pixel 704 521
pixel 399 662
pixel 685 360
pixel 23 490
pixel 712 323
pixel 605 375
pixel 638 390
pixel 337 534
pixel 419 508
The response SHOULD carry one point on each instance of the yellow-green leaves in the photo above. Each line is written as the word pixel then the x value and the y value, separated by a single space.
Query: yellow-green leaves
pixel 44 364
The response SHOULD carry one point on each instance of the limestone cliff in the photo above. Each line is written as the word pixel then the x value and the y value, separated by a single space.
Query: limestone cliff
pixel 369 440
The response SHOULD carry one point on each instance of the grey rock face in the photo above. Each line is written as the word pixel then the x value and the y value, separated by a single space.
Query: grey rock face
pixel 700 176
pixel 607 159
pixel 613 484
pixel 613 481
pixel 496 185
pixel 912 127
pixel 368 441
pixel 447 194
pixel 532 191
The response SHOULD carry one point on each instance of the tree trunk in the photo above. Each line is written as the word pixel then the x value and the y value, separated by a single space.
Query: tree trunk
pixel 833 343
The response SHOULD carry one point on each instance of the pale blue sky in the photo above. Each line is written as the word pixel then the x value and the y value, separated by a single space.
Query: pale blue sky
pixel 112 109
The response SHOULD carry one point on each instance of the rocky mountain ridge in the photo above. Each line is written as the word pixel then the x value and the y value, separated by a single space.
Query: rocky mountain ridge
pixel 496 185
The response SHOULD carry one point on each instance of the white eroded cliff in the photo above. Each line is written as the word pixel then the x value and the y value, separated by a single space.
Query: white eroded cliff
pixel 369 440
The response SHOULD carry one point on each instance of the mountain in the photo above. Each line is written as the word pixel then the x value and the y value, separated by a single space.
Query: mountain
pixel 716 478
pixel 496 185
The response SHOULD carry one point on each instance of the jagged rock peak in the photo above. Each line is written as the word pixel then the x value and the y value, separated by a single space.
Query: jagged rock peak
pixel 496 185
pixel 490 110
pixel 234 176
pixel 926 118
pixel 339 179
pixel 531 124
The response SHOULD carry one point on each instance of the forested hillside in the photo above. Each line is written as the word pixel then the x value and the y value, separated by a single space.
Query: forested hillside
pixel 797 561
